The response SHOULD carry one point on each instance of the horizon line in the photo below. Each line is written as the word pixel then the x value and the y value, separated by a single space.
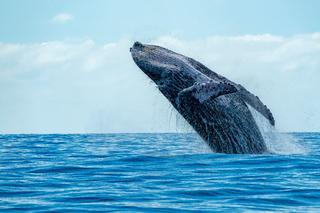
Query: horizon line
pixel 109 133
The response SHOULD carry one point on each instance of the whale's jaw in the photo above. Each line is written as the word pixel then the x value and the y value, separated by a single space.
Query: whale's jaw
pixel 213 105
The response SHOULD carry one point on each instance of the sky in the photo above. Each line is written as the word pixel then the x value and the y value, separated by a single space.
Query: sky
pixel 65 66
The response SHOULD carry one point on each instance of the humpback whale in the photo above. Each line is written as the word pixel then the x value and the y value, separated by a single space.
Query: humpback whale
pixel 216 108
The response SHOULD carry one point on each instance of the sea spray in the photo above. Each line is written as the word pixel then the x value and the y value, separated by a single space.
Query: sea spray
pixel 276 142
pixel 197 144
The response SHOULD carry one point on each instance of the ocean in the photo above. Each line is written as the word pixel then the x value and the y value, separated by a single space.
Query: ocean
pixel 154 173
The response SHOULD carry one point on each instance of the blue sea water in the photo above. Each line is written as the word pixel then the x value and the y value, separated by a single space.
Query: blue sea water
pixel 153 173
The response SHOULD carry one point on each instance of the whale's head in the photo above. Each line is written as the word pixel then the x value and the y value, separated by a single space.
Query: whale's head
pixel 171 71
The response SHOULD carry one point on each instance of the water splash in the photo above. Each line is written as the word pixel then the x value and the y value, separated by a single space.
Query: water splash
pixel 279 143
pixel 197 144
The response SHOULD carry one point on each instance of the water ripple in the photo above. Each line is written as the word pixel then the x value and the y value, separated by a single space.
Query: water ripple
pixel 152 172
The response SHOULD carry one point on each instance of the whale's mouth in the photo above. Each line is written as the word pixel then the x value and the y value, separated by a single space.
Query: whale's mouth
pixel 144 59
pixel 153 61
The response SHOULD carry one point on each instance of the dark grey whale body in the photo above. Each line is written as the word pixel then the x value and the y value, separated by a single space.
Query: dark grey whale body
pixel 214 106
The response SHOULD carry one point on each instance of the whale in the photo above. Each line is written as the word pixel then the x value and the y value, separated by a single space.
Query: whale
pixel 218 109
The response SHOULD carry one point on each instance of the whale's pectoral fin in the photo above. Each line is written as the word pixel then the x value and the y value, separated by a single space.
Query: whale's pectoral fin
pixel 256 103
pixel 205 91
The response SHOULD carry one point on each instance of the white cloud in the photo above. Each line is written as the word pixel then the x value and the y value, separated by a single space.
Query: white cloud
pixel 62 18
pixel 64 86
